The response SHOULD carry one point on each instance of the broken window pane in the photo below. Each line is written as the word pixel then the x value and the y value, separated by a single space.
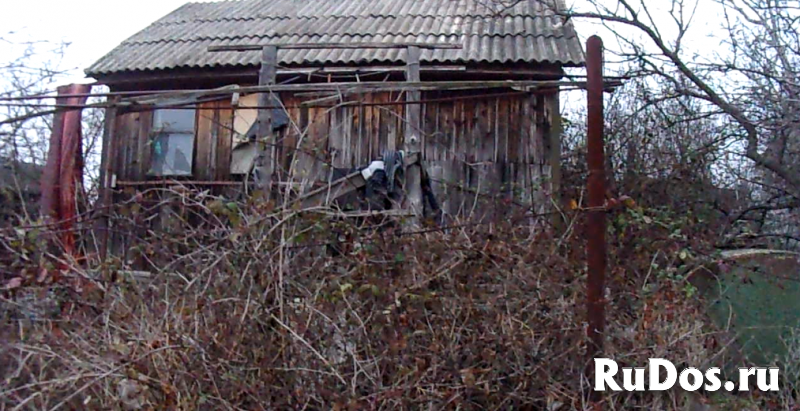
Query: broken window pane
pixel 172 146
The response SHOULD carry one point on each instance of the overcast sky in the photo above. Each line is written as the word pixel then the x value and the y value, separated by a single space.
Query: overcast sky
pixel 94 27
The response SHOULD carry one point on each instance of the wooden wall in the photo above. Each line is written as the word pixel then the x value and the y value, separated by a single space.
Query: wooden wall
pixel 132 159
pixel 212 150
pixel 477 150
pixel 486 152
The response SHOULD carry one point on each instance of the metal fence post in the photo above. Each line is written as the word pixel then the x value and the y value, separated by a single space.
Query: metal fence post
pixel 596 223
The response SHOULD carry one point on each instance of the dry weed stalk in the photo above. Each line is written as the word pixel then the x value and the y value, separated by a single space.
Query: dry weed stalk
pixel 239 306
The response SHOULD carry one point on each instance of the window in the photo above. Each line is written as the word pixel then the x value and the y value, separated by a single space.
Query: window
pixel 172 146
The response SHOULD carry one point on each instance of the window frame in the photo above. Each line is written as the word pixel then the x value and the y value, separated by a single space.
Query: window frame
pixel 161 129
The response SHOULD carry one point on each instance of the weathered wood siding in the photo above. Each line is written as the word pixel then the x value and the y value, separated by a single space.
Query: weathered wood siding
pixel 476 150
pixel 132 149
pixel 213 142
pixel 212 151
pixel 486 150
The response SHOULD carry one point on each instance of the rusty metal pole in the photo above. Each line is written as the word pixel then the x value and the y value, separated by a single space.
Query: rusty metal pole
pixel 596 224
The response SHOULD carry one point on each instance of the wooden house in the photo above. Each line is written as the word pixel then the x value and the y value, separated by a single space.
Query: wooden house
pixel 467 88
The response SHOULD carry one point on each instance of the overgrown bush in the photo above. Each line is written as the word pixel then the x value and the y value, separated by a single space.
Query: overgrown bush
pixel 234 306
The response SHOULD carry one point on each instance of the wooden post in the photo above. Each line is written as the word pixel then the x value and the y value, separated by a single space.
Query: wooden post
pixel 553 106
pixel 107 168
pixel 266 144
pixel 413 135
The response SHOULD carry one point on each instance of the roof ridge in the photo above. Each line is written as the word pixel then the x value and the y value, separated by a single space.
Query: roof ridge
pixel 385 16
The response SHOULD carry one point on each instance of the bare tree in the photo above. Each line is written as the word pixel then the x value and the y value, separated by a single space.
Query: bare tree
pixel 752 81
pixel 36 68
pixel 731 110
pixel 33 67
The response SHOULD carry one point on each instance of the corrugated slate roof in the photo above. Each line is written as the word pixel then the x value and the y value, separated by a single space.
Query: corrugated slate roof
pixel 491 31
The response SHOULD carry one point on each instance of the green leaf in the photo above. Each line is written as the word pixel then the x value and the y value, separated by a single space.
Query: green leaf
pixel 217 207
pixel 235 219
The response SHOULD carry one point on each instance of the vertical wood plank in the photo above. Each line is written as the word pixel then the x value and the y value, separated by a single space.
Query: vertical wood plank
pixel 472 130
pixel 203 141
pixel 529 127
pixel 124 142
pixel 387 138
pixel 350 145
pixel 440 138
pixel 291 137
pixel 515 135
pixel 553 108
pixel 224 143
pixel 502 126
pixel 360 146
pixel 448 128
pixel 412 139
pixel 318 137
pixel 369 127
pixel 485 132
pixel 496 129
pixel 106 172
pixel 364 115
pixel 143 149
pixel 399 115
pixel 119 149
pixel 336 142
pixel 303 161
pixel 436 170
pixel 128 144
pixel 213 144
pixel 266 157
pixel 430 135
pixel 459 122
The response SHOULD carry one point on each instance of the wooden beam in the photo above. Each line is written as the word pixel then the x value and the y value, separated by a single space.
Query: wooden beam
pixel 327 194
pixel 265 160
pixel 107 169
pixel 413 135
pixel 516 72
pixel 310 46
pixel 244 74
pixel 369 86
pixel 400 86
pixel 177 97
